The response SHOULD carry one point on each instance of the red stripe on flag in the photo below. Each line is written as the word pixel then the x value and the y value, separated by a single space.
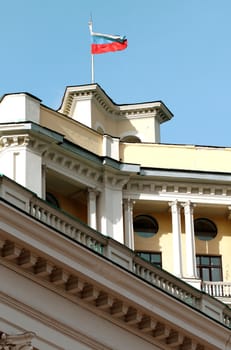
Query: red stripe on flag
pixel 113 46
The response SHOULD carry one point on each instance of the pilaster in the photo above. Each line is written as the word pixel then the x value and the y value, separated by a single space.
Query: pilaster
pixel 128 223
pixel 92 208
pixel 190 240
pixel 176 233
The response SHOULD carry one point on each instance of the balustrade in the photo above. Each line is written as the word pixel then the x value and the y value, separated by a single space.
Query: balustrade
pixel 66 224
pixel 88 237
pixel 217 289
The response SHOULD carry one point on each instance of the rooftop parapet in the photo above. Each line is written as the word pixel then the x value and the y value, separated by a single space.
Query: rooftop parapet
pixel 19 107
pixel 90 105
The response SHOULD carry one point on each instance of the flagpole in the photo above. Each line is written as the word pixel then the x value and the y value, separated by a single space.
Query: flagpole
pixel 92 55
pixel 92 69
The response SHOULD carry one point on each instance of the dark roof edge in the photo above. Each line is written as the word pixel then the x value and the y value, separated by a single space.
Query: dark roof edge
pixel 20 93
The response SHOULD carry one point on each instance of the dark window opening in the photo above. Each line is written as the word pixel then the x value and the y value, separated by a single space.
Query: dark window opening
pixel 151 257
pixel 131 139
pixel 145 226
pixel 205 229
pixel 50 198
pixel 209 268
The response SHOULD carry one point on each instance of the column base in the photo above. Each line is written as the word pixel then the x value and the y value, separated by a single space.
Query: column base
pixel 194 282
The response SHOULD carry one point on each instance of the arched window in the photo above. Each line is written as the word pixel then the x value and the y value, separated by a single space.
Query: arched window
pixel 205 229
pixel 145 226
pixel 131 139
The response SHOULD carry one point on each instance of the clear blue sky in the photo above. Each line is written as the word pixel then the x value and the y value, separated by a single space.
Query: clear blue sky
pixel 179 51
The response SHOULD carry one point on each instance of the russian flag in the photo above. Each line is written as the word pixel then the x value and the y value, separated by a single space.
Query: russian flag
pixel 102 43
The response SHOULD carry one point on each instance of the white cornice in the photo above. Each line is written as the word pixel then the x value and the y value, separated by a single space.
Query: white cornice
pixel 128 111
pixel 37 144
pixel 205 193
pixel 186 175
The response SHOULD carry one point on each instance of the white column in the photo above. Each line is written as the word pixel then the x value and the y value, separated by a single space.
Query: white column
pixel 190 240
pixel 176 236
pixel 91 209
pixel 110 207
pixel 128 223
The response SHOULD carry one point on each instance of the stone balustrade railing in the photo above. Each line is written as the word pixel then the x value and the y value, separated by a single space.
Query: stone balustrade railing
pixel 167 282
pixel 217 289
pixel 71 227
pixel 83 234
pixel 66 224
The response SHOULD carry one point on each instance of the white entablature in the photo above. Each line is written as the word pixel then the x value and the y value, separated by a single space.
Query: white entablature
pixel 200 192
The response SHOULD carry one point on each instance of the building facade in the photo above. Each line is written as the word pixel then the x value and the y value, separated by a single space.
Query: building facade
pixel 109 238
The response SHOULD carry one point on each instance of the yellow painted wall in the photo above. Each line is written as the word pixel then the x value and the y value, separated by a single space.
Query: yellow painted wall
pixel 100 117
pixel 162 242
pixel 73 131
pixel 143 128
pixel 149 155
pixel 120 127
pixel 177 156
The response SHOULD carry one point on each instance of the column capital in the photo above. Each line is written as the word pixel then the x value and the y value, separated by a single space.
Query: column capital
pixel 175 202
pixel 128 202
pixel 175 206
pixel 93 192
pixel 188 206
pixel 229 212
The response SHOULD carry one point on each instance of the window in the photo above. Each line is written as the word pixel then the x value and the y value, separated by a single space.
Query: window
pixel 209 268
pixel 145 226
pixel 205 229
pixel 151 257
pixel 131 139
pixel 52 200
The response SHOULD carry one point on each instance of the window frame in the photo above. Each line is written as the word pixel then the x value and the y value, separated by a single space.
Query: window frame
pixel 209 267
pixel 210 224
pixel 146 232
pixel 148 252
